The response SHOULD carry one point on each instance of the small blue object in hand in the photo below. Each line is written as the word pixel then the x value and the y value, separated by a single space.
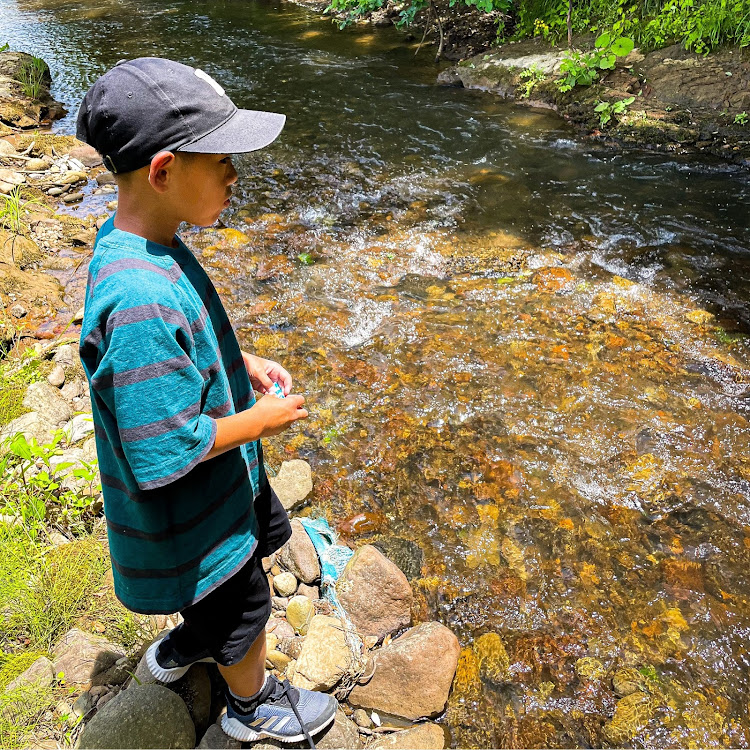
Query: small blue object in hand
pixel 275 390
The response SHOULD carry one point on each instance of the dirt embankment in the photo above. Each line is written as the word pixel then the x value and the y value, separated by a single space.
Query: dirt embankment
pixel 683 101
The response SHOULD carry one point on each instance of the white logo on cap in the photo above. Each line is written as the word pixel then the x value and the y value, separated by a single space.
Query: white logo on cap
pixel 207 78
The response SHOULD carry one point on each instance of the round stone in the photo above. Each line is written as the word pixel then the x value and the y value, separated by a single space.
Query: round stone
pixel 285 584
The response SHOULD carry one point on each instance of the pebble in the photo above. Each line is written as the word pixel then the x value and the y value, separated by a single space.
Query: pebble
pixel 105 178
pixel 58 190
pixel 299 613
pixel 57 376
pixel 105 699
pixel 37 165
pixel 73 197
pixel 78 317
pixel 362 718
pixel 11 177
pixel 83 704
pixel 6 149
pixel 112 206
pixel 285 584
pixel 99 690
pixel 18 311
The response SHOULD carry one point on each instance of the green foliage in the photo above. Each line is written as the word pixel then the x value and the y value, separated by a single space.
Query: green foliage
pixel 21 712
pixel 15 378
pixel 306 259
pixel 44 589
pixel 741 118
pixel 607 110
pixel 531 77
pixel 33 486
pixel 31 76
pixel 4 47
pixel 582 68
pixel 699 25
pixel 12 665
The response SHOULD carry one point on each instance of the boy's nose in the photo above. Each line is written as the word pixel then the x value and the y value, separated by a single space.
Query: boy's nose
pixel 232 176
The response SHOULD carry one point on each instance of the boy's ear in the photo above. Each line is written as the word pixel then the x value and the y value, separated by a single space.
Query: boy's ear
pixel 160 171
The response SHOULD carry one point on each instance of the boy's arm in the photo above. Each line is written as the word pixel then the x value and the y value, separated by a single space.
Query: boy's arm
pixel 268 416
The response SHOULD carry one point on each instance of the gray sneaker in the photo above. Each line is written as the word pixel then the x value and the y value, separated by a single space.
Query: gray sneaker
pixel 167 664
pixel 283 712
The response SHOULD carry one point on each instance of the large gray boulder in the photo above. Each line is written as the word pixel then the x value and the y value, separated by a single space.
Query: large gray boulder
pixel 298 555
pixel 143 716
pixel 374 593
pixel 293 483
pixel 412 675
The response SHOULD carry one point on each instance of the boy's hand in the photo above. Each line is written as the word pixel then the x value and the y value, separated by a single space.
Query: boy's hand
pixel 264 373
pixel 278 414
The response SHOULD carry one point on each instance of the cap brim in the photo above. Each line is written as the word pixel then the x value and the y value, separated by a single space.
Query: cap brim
pixel 246 130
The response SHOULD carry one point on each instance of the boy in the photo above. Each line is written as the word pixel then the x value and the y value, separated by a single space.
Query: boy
pixel 189 509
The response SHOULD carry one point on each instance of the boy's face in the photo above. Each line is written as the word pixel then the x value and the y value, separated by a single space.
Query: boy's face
pixel 202 186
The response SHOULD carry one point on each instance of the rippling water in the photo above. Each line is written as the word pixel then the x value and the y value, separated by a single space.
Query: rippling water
pixel 525 358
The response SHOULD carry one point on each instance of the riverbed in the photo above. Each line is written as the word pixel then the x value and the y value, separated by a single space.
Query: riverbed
pixel 525 357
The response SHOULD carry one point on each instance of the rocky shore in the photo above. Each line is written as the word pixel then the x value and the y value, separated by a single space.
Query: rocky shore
pixel 682 101
pixel 391 674
pixel 390 677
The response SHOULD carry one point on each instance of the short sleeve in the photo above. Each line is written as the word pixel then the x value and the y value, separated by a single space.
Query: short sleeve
pixel 147 379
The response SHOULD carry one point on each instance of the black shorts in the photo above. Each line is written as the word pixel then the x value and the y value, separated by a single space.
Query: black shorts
pixel 229 619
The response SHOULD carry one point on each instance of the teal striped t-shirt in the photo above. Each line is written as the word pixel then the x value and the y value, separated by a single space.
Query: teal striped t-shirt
pixel 163 363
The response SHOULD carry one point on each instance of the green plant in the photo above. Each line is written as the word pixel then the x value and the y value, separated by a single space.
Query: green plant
pixel 31 76
pixel 4 47
pixel 531 77
pixel 44 589
pixel 33 486
pixel 306 259
pixel 607 110
pixel 582 68
pixel 741 118
pixel 22 711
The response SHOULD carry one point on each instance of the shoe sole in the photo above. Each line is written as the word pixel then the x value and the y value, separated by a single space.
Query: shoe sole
pixel 169 675
pixel 238 731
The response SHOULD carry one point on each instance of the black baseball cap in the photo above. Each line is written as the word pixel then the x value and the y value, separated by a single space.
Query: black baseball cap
pixel 151 104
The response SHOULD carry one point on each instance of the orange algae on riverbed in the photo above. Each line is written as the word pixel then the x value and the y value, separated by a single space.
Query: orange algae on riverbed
pixel 533 426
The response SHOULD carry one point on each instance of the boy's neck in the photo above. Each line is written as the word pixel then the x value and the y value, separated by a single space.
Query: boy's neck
pixel 146 219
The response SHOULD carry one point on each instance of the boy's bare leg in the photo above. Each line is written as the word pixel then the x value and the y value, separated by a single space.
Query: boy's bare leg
pixel 246 677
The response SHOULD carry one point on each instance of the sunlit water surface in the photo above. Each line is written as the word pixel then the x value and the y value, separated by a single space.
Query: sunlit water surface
pixel 524 354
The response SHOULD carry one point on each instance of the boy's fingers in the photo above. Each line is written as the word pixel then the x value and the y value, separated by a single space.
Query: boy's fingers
pixel 265 381
pixel 296 400
pixel 301 414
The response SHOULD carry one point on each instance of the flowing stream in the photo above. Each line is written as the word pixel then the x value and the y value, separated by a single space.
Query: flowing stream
pixel 525 357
